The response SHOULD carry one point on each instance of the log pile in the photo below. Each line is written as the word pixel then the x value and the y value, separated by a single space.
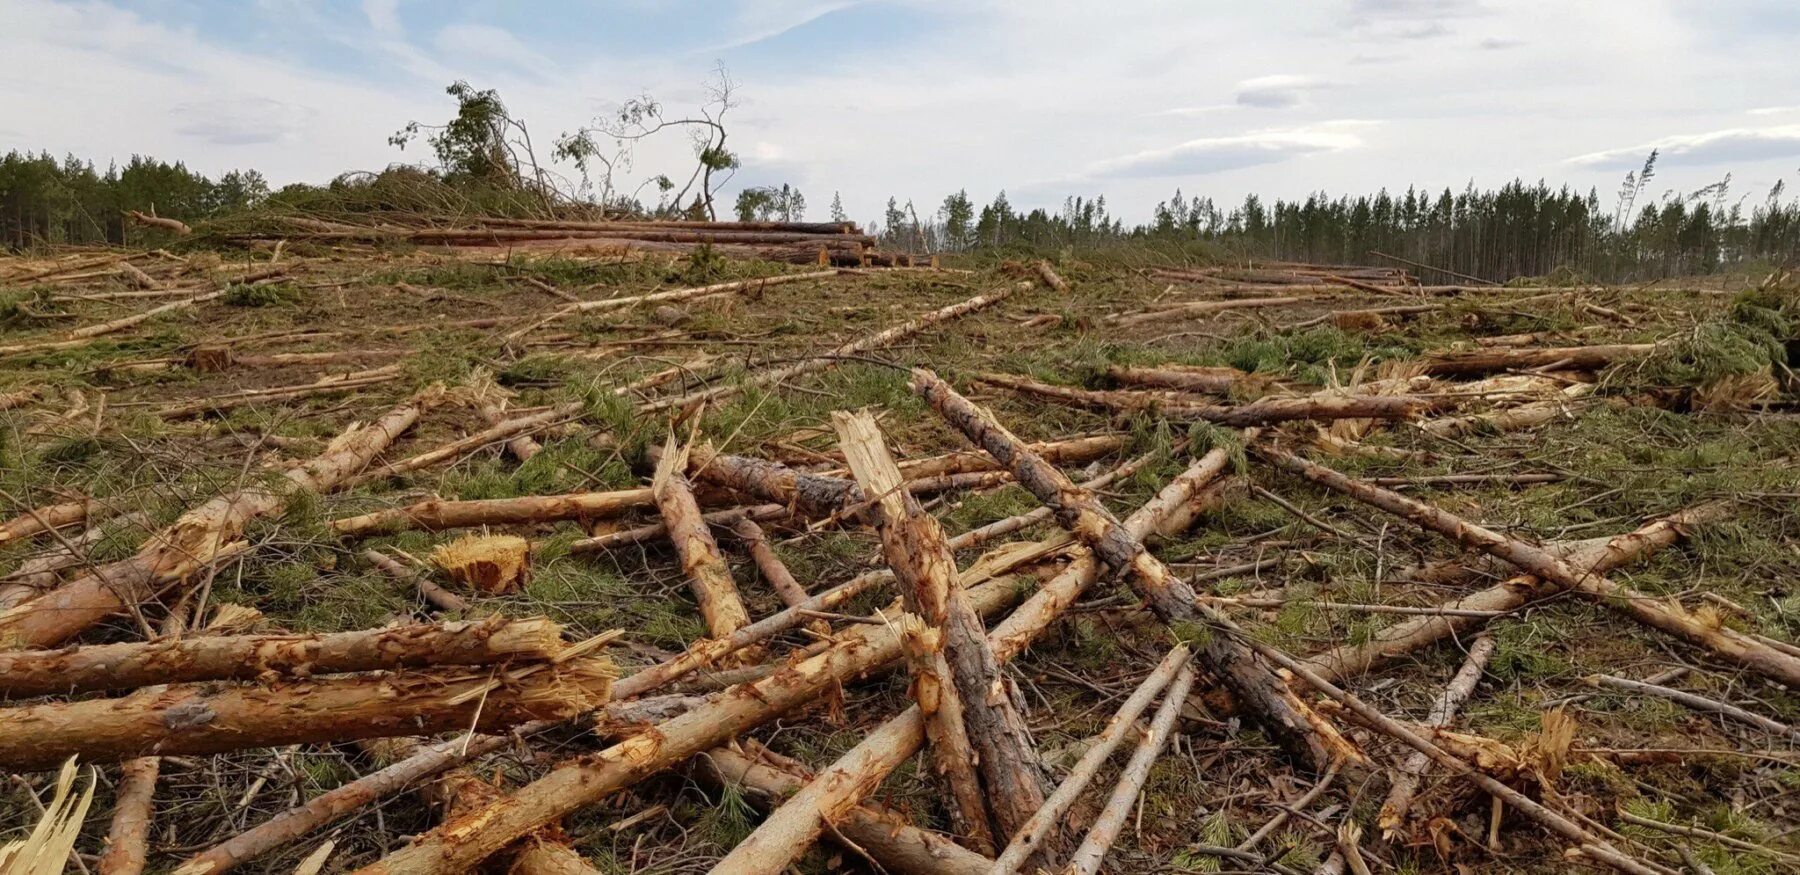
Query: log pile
pixel 905 591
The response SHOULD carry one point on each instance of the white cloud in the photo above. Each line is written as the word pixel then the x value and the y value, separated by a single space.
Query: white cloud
pixel 1217 154
pixel 240 120
pixel 479 42
pixel 383 16
pixel 1714 147
pixel 1772 110
pixel 1277 92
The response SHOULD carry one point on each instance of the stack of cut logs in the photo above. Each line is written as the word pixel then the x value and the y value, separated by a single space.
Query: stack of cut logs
pixel 840 244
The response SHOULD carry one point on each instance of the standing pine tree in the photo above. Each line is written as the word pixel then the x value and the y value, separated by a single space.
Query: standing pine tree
pixel 958 215
pixel 837 208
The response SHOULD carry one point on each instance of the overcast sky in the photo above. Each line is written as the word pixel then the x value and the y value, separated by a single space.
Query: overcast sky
pixel 917 98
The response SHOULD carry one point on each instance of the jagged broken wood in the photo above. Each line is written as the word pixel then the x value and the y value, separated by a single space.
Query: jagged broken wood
pixel 1405 781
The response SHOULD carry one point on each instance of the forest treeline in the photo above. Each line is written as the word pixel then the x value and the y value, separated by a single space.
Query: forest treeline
pixel 1518 229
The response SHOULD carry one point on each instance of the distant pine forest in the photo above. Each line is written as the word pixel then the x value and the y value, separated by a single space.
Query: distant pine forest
pixel 1519 229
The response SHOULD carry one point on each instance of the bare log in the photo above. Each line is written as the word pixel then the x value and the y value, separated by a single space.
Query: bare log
pixel 1049 816
pixel 190 719
pixel 439 597
pixel 668 296
pixel 1194 308
pixel 184 659
pixel 1217 381
pixel 773 569
pixel 193 541
pixel 701 562
pixel 659 530
pixel 1405 781
pixel 883 833
pixel 1049 275
pixel 1723 642
pixel 1251 680
pixel 855 347
pixel 455 847
pixel 1409 636
pixel 83 336
pixel 925 570
pixel 1106 828
pixel 175 225
pixel 436 514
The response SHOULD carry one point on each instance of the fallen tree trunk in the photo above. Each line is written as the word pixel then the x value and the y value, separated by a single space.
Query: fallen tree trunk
pixel 1405 782
pixel 1410 636
pixel 1526 415
pixel 668 296
pixel 1049 275
pixel 1488 361
pixel 829 359
pixel 436 514
pixel 192 541
pixel 83 336
pixel 502 431
pixel 1266 411
pixel 1106 828
pixel 773 570
pixel 925 570
pixel 180 659
pixel 1254 684
pixel 455 847
pixel 1068 451
pixel 195 719
pixel 1217 381
pixel 175 225
pixel 322 386
pixel 659 530
pixel 48 517
pixel 883 833
pixel 1049 817
pixel 701 562
pixel 1723 642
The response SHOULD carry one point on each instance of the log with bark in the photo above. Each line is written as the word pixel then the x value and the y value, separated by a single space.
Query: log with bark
pixel 963 679
pixel 503 431
pixel 1255 685
pixel 179 659
pixel 200 719
pixel 830 359
pixel 1489 361
pixel 1211 380
pixel 150 220
pixel 84 336
pixel 773 570
pixel 1405 781
pixel 37 521
pixel 1701 629
pixel 1106 828
pixel 457 846
pixel 194 540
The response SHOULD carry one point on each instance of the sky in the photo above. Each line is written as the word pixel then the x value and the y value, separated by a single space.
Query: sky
pixel 1130 99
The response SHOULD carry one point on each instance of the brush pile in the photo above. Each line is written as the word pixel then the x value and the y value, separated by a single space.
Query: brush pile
pixel 397 560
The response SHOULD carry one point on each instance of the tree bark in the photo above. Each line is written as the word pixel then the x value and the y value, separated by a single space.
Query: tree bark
pixel 1049 817
pixel 194 719
pixel 455 847
pixel 1050 277
pixel 1215 381
pixel 436 514
pixel 830 359
pixel 1254 684
pixel 46 518
pixel 505 430
pixel 1723 642
pixel 961 678
pixel 774 570
pixel 174 225
pixel 185 659
pixel 192 541
pixel 701 562
pixel 1488 361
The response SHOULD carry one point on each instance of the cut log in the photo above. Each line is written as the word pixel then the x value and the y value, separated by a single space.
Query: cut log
pixel 182 659
pixel 830 359
pixel 457 846
pixel 1405 782
pixel 701 562
pixel 1106 828
pixel 1267 411
pixel 961 673
pixel 1049 275
pixel 1596 557
pixel 40 572
pixel 190 719
pixel 1049 817
pixel 1697 629
pixel 881 832
pixel 194 540
pixel 436 514
pixel 1254 684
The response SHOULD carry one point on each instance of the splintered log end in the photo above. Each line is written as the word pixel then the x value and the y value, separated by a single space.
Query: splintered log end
pixel 531 637
pixel 582 685
pixel 234 619
pixel 493 564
